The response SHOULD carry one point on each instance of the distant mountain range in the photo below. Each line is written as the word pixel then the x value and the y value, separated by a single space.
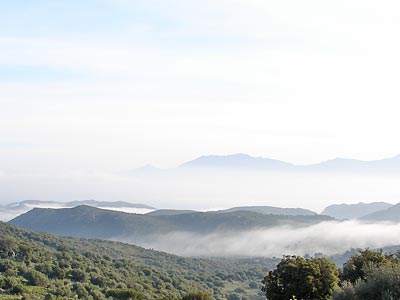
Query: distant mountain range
pixel 337 211
pixel 95 203
pixel 390 214
pixel 13 209
pixel 92 222
pixel 354 211
pixel 242 162
pixel 239 161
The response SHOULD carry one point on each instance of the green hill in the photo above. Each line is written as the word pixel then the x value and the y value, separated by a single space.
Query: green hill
pixel 236 221
pixel 89 222
pixel 86 221
pixel 42 266
pixel 167 212
pixel 271 210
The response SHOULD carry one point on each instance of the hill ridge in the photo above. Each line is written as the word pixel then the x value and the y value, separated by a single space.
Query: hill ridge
pixel 86 221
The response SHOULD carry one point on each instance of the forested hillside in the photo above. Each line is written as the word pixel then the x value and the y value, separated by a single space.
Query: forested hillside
pixel 86 221
pixel 41 266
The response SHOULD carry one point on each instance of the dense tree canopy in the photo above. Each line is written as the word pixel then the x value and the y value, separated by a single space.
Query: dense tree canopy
pixel 370 275
pixel 354 268
pixel 124 294
pixel 300 278
pixel 45 267
pixel 197 296
pixel 41 266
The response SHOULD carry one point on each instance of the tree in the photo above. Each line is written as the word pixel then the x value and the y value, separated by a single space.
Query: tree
pixel 197 296
pixel 303 279
pixel 381 283
pixel 353 269
pixel 370 275
pixel 124 294
pixel 36 278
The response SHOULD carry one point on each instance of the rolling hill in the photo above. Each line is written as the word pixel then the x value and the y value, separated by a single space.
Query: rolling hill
pixel 11 210
pixel 270 210
pixel 265 210
pixel 87 221
pixel 168 212
pixel 391 214
pixel 354 211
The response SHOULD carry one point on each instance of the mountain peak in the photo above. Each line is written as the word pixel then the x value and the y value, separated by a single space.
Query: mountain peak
pixel 238 160
pixel 243 161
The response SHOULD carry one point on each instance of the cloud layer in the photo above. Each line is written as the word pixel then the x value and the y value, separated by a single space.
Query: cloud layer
pixel 328 238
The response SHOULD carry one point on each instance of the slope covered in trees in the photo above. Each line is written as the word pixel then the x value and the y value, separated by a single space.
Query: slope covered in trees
pixel 86 221
pixel 42 266
pixel 271 210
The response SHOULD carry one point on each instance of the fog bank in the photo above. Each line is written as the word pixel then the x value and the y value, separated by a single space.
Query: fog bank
pixel 328 238
pixel 204 191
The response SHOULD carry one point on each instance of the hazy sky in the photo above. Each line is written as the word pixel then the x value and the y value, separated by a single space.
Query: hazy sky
pixel 116 84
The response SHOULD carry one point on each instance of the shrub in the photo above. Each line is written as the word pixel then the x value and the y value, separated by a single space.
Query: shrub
pixel 197 296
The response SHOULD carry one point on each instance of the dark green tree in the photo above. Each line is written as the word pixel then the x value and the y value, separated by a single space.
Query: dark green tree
pixel 125 294
pixel 353 269
pixel 197 296
pixel 381 283
pixel 305 279
pixel 370 276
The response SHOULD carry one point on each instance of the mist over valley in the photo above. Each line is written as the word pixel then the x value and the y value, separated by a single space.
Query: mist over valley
pixel 220 181
pixel 249 232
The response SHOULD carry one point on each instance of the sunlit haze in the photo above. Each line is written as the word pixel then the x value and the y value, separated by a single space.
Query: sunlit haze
pixel 90 90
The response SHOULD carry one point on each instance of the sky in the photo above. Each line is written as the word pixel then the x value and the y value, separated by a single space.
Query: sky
pixel 107 85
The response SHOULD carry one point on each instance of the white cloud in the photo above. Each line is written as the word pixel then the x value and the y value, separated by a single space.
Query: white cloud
pixel 329 238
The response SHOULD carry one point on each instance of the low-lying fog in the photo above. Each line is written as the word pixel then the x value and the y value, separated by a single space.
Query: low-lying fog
pixel 205 191
pixel 328 238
